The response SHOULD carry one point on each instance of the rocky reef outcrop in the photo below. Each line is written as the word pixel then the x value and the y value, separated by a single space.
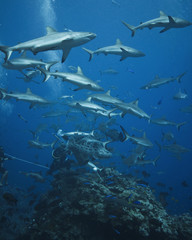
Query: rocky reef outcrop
pixel 84 206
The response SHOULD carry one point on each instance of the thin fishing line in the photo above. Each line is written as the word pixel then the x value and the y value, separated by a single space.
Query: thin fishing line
pixel 22 160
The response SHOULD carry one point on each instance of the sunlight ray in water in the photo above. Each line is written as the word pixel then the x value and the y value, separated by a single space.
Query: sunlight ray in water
pixel 49 19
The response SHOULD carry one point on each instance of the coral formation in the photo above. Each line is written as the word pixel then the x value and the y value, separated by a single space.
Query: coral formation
pixel 82 206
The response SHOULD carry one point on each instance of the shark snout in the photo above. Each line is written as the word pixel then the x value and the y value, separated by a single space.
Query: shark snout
pixel 98 88
pixel 141 54
pixel 91 35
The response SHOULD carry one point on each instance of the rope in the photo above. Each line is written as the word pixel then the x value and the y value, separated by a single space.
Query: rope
pixel 22 160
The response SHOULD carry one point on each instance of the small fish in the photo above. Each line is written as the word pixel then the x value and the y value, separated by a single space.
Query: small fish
pixel 22 118
pixel 109 177
pixel 131 188
pixel 112 216
pixel 113 197
pixel 87 183
pixel 130 196
pixel 142 185
pixel 109 183
pixel 137 202
pixel 109 196
pixel 116 230
pixel 66 96
pixel 160 101
pixel 130 70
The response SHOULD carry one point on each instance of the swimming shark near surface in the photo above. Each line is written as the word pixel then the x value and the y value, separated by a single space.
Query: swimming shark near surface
pixel 164 21
pixel 78 79
pixel 53 40
pixel 24 63
pixel 28 96
pixel 137 140
pixel 117 49
pixel 161 81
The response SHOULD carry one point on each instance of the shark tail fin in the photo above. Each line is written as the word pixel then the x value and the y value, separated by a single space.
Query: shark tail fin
pixel 180 76
pixel 155 160
pixel 180 124
pixel 49 65
pixel 125 134
pixel 90 53
pixel 130 27
pixel 34 133
pixel 46 74
pixel 92 133
pixel 110 111
pixel 149 119
pixel 122 114
pixel 53 143
pixel 6 51
pixel 3 94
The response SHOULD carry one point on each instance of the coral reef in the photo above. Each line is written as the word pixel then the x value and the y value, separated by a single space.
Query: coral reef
pixel 83 206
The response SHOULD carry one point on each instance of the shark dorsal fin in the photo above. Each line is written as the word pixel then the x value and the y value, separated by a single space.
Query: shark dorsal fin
pixel 162 14
pixel 108 93
pixel 28 91
pixel 50 30
pixel 118 42
pixel 88 99
pixel 79 71
pixel 105 143
pixel 136 102
pixel 37 138
pixel 144 135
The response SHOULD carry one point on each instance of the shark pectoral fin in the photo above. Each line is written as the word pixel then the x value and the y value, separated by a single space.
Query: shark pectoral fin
pixel 77 89
pixel 124 54
pixel 65 54
pixel 31 105
pixel 83 112
pixel 23 55
pixel 122 58
pixel 171 20
pixel 164 30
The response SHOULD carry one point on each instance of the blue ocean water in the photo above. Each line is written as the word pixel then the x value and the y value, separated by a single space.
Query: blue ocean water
pixel 167 54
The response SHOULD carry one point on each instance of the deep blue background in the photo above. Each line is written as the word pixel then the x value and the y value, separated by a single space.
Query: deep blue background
pixel 167 54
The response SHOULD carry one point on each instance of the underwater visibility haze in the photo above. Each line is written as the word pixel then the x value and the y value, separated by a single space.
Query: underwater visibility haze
pixel 95 116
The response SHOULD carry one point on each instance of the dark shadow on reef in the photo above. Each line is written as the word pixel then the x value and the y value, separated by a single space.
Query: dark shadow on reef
pixel 82 206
